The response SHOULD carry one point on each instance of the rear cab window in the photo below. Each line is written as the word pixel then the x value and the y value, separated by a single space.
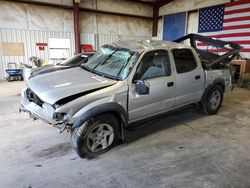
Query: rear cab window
pixel 184 60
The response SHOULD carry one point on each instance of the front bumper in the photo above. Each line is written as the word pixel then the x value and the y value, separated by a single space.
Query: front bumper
pixel 44 112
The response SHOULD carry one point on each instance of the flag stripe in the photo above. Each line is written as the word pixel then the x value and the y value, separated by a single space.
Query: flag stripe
pixel 238 7
pixel 242 2
pixel 201 46
pixel 231 35
pixel 237 42
pixel 237 23
pixel 245 30
pixel 221 50
pixel 236 11
pixel 237 27
pixel 236 15
pixel 237 19
pixel 235 39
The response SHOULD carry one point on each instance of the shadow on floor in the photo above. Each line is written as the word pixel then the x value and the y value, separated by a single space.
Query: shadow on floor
pixel 140 130
pixel 54 151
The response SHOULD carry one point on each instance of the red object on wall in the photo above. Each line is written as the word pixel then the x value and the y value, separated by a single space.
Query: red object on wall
pixel 41 44
pixel 87 48
pixel 41 48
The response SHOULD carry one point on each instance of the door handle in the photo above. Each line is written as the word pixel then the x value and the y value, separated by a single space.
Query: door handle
pixel 170 84
pixel 197 77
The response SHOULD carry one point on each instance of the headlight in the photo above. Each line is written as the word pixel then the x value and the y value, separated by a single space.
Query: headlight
pixel 59 116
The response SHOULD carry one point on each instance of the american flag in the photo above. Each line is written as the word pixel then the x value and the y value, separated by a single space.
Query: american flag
pixel 229 22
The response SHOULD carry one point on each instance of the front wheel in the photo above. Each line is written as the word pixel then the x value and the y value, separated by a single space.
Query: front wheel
pixel 95 136
pixel 212 103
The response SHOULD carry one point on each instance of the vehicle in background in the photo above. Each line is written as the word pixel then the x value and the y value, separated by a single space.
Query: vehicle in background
pixel 74 61
pixel 13 72
pixel 127 82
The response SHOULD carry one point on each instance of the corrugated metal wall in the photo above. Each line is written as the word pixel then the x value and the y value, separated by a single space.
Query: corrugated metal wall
pixel 29 39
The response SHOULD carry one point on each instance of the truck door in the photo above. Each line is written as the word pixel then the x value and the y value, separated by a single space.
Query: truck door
pixel 155 69
pixel 189 77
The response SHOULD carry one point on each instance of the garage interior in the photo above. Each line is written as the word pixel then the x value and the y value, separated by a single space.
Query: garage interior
pixel 181 149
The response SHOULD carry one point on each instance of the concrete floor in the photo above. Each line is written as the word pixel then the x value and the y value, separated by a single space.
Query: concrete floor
pixel 184 149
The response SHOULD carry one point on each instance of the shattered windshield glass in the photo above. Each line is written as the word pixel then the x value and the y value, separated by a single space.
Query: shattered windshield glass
pixel 112 62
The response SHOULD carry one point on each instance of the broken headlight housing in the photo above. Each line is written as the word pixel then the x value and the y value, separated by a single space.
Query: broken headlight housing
pixel 59 116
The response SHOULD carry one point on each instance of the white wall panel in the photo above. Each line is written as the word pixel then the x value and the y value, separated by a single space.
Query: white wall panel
pixel 89 4
pixel 13 15
pixel 29 39
pixel 49 18
pixel 118 25
pixel 108 24
pixel 146 27
pixel 34 17
pixel 87 22
pixel 192 22
pixel 131 27
pixel 121 6
pixel 160 28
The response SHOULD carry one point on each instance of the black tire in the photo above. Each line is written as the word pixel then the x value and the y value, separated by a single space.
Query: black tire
pixel 20 78
pixel 208 105
pixel 80 136
pixel 9 79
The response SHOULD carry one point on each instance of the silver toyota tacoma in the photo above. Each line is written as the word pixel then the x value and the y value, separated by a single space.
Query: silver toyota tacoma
pixel 126 82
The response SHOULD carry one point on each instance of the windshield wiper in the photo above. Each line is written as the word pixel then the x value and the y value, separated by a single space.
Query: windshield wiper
pixel 104 75
pixel 85 68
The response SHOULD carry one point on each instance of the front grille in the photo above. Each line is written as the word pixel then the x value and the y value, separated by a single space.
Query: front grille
pixel 32 97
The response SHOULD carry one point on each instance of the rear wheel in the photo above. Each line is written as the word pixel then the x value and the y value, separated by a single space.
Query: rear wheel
pixel 95 136
pixel 212 103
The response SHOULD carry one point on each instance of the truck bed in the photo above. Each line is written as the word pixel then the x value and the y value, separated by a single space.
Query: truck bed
pixel 218 52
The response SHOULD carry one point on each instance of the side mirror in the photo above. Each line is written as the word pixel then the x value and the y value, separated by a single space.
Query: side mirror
pixel 142 87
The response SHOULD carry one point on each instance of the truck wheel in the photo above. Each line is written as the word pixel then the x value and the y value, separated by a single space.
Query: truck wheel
pixel 95 136
pixel 213 101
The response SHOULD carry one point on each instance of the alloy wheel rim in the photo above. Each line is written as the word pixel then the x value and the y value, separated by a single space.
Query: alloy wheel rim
pixel 100 137
pixel 215 99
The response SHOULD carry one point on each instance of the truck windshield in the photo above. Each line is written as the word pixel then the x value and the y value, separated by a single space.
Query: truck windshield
pixel 111 62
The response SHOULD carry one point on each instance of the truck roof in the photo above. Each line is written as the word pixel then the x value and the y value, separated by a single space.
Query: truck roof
pixel 142 45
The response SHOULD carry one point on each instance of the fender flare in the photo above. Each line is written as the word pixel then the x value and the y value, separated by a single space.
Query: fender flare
pixel 217 81
pixel 111 107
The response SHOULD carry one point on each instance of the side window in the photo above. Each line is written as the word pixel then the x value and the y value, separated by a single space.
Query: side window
pixel 153 64
pixel 184 60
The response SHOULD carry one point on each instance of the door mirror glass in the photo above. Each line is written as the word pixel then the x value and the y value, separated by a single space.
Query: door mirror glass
pixel 142 87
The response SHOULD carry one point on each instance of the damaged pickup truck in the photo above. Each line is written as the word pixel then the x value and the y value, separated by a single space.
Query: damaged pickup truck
pixel 126 82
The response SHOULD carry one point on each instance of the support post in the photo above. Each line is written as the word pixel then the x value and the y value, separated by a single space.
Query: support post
pixel 155 21
pixel 76 27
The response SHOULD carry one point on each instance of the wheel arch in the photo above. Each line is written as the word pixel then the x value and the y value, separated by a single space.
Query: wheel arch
pixel 112 108
pixel 218 81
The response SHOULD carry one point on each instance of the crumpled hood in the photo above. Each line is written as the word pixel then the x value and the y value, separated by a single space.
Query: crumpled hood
pixel 54 86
